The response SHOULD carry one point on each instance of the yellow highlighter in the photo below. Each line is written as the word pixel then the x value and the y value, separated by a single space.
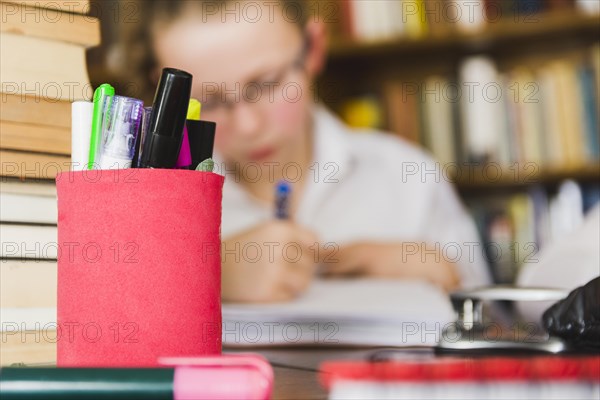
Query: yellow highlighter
pixel 194 110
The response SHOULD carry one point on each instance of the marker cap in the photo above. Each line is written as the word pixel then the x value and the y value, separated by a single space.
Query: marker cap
pixel 120 131
pixel 194 109
pixel 169 111
pixel 102 97
pixel 139 144
pixel 81 128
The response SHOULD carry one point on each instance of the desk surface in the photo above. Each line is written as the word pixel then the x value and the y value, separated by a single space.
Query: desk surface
pixel 296 370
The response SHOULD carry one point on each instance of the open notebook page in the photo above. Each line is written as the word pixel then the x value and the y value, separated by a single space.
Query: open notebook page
pixel 344 312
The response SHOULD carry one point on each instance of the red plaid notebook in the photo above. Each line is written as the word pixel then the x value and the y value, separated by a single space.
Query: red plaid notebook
pixel 452 378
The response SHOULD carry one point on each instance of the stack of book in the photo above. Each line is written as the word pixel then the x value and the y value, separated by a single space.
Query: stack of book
pixel 43 64
pixel 42 70
pixel 28 272
pixel 378 20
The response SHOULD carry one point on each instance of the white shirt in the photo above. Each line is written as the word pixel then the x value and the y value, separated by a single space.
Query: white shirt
pixel 370 186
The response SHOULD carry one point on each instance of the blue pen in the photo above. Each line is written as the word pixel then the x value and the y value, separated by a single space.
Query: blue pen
pixel 283 191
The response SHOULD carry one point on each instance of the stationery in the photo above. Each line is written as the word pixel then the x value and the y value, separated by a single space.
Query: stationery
pixel 139 145
pixel 193 378
pixel 139 273
pixel 102 97
pixel 81 128
pixel 120 132
pixel 185 157
pixel 283 191
pixel 202 140
pixel 167 119
pixel 469 379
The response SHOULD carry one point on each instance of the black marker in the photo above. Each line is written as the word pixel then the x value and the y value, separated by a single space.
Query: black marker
pixel 201 135
pixel 169 111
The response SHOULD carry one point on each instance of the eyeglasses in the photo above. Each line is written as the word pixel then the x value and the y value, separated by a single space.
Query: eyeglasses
pixel 219 100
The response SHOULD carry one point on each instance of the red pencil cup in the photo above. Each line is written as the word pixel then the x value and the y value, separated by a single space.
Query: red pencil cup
pixel 139 266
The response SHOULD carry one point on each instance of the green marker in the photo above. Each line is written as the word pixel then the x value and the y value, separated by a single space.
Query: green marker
pixel 102 92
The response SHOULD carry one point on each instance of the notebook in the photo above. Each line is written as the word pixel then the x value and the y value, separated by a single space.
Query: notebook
pixel 361 312
pixel 454 378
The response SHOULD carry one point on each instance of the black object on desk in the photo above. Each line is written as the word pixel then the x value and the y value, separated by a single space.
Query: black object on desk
pixel 576 319
pixel 470 333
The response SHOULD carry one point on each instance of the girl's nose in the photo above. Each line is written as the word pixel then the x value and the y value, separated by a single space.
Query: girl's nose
pixel 248 119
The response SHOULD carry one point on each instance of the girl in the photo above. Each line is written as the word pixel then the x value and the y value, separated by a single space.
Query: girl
pixel 362 204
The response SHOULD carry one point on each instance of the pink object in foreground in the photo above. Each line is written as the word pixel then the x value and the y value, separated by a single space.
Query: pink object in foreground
pixel 212 377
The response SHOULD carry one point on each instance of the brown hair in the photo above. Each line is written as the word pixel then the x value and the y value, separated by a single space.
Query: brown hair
pixel 137 60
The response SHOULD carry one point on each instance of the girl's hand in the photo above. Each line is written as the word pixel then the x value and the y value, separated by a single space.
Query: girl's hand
pixel 394 260
pixel 272 262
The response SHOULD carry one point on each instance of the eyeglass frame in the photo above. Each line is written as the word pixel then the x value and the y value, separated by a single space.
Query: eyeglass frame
pixel 223 104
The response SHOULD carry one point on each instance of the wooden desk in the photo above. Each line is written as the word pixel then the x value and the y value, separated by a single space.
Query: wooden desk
pixel 297 384
pixel 296 370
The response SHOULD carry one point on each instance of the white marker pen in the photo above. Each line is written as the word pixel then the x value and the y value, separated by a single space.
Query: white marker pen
pixel 81 131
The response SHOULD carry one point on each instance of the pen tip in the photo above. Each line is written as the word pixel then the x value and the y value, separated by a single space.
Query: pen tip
pixel 283 187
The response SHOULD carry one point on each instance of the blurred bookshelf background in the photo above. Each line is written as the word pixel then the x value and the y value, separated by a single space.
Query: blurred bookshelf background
pixel 503 93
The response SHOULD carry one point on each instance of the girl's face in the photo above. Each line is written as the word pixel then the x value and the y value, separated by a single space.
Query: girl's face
pixel 250 78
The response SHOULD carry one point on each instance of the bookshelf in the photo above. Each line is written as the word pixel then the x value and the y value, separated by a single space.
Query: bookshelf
pixel 476 178
pixel 513 193
pixel 567 27
pixel 503 33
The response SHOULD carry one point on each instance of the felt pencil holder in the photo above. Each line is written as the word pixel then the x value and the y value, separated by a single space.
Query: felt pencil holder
pixel 139 266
